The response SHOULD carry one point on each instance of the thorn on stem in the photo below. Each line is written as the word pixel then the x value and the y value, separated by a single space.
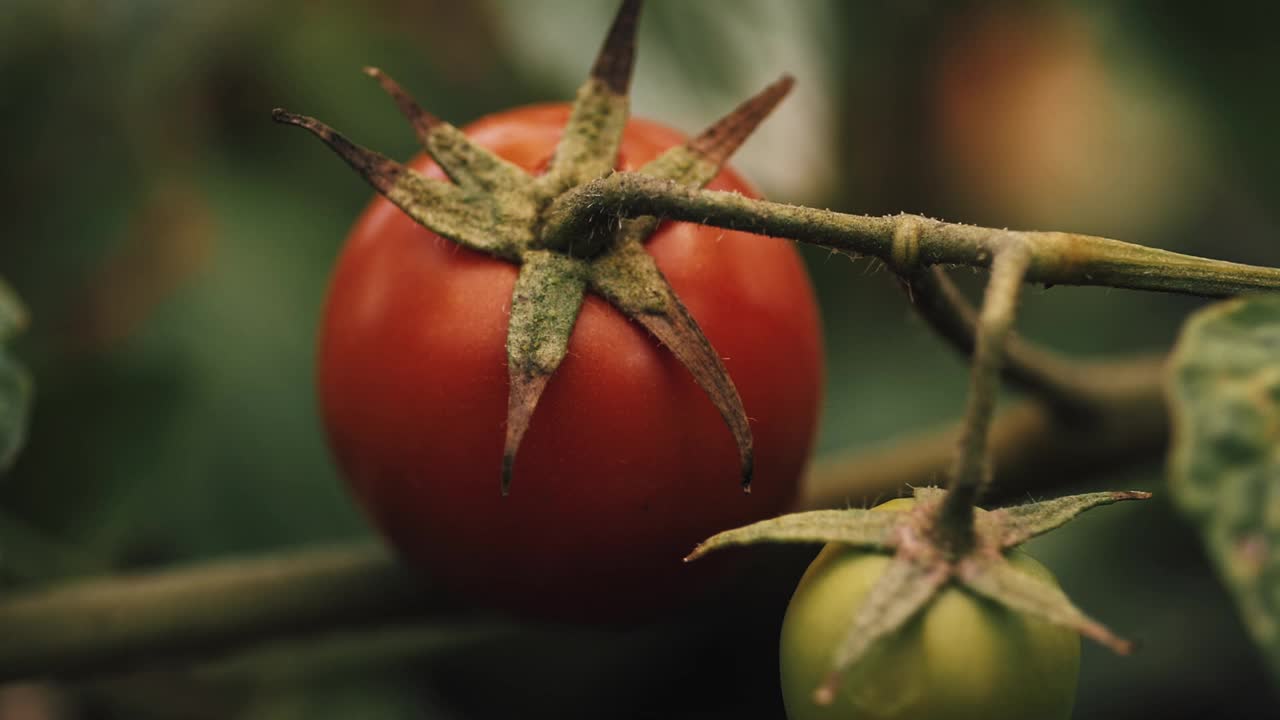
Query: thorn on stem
pixel 617 55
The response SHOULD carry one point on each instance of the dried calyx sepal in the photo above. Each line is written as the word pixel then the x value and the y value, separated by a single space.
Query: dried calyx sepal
pixel 496 208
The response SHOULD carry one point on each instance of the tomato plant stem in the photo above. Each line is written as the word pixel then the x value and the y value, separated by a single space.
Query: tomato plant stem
pixel 117 623
pixel 1032 444
pixel 1055 379
pixel 972 470
pixel 1055 258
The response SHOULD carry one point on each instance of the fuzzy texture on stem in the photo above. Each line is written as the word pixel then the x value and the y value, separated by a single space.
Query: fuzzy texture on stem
pixel 1056 258
pixel 972 470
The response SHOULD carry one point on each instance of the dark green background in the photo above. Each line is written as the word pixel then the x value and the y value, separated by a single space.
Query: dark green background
pixel 173 245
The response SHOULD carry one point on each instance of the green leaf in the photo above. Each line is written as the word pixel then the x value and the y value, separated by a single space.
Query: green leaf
pixel 1224 391
pixel 15 384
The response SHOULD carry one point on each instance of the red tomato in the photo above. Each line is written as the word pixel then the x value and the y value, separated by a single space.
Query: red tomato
pixel 626 465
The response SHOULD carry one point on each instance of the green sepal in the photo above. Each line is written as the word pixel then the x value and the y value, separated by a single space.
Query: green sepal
pixel 1020 523
pixel 906 587
pixel 588 149
pixel 467 164
pixel 630 279
pixel 698 161
pixel 993 577
pixel 544 307
pixel 627 276
pixel 473 218
pixel 853 527
pixel 693 164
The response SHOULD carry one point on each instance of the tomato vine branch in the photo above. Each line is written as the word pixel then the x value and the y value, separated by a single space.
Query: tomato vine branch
pixel 1056 258
pixel 1037 371
pixel 1033 447
pixel 117 623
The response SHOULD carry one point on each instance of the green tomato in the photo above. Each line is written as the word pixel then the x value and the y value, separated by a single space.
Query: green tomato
pixel 961 657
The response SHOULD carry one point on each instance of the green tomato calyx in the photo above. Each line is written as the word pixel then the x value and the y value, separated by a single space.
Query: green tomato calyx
pixel 922 565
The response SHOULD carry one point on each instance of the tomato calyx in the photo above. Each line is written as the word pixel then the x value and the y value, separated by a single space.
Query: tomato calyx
pixel 494 207
pixel 922 564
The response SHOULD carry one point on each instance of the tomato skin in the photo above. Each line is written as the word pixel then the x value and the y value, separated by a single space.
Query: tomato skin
pixel 626 464
pixel 963 658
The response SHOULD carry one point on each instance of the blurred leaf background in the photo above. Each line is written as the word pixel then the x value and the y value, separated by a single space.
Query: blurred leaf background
pixel 172 247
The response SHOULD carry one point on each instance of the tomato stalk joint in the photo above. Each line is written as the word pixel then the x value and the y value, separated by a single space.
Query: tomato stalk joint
pixel 919 568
